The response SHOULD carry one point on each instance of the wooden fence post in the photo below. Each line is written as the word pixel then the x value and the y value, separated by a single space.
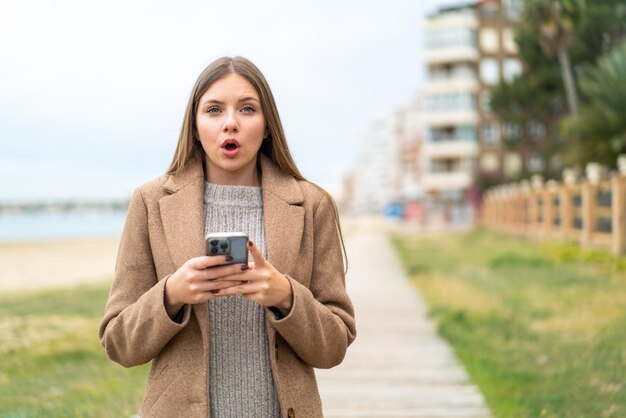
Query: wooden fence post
pixel 618 214
pixel 567 212
pixel 588 211
pixel 545 212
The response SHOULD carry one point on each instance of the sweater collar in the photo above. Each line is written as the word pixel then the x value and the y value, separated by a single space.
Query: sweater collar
pixel 273 180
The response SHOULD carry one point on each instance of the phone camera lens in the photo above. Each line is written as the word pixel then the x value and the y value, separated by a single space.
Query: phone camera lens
pixel 214 242
pixel 213 250
pixel 224 245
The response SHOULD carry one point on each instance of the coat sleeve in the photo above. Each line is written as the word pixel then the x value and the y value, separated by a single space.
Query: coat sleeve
pixel 136 325
pixel 320 326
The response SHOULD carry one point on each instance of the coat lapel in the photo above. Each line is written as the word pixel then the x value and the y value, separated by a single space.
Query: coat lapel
pixel 182 215
pixel 283 215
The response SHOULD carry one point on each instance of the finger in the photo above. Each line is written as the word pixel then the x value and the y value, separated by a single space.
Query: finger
pixel 220 272
pixel 205 261
pixel 241 276
pixel 256 253
pixel 241 289
pixel 215 286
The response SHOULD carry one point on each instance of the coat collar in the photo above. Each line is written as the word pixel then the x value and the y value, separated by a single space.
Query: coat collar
pixel 183 219
pixel 182 212
pixel 273 180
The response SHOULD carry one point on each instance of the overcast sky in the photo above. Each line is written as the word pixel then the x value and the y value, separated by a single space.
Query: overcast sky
pixel 92 94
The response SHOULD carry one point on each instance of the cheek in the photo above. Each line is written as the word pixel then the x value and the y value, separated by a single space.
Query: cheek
pixel 205 129
pixel 260 128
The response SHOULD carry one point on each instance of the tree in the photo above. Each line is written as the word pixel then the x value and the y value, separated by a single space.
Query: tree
pixel 537 95
pixel 600 129
pixel 555 23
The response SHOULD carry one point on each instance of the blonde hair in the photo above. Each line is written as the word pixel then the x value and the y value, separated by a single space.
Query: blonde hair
pixel 274 145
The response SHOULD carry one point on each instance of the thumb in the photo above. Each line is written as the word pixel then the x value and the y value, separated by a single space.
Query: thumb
pixel 259 260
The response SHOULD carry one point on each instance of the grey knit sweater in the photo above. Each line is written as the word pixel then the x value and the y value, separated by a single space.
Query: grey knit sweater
pixel 240 378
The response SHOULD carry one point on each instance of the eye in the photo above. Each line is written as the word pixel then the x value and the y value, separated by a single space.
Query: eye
pixel 213 110
pixel 248 109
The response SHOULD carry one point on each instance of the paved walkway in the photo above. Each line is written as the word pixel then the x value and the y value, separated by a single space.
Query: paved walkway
pixel 398 366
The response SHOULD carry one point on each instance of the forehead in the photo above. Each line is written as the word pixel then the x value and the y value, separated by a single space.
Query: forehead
pixel 232 86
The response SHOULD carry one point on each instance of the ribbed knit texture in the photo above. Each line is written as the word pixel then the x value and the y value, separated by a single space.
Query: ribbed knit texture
pixel 240 378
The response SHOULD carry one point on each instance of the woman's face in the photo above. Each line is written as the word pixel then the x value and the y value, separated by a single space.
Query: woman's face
pixel 231 128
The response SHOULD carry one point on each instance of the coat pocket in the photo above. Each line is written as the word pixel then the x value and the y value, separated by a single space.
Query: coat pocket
pixel 166 395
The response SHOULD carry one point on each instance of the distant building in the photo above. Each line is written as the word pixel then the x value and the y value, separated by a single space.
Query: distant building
pixel 451 114
pixel 422 162
pixel 469 49
pixel 498 60
pixel 373 183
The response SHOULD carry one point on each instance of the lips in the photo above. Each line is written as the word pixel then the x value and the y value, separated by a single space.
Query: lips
pixel 230 144
pixel 230 147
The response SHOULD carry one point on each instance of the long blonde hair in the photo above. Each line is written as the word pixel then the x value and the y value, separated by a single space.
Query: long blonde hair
pixel 274 145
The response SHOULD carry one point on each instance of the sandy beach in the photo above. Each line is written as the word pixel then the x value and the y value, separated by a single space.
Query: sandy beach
pixel 56 263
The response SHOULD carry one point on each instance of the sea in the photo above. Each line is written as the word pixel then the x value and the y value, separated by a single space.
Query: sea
pixel 36 226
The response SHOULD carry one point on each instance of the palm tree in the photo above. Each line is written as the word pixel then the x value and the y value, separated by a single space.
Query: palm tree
pixel 554 19
pixel 601 126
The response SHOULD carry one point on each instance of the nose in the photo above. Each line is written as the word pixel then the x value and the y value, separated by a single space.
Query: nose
pixel 230 123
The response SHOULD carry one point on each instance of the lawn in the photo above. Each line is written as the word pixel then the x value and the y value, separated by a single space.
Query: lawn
pixel 52 364
pixel 541 328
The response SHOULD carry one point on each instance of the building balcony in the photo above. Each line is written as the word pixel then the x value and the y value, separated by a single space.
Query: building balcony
pixel 450 148
pixel 466 19
pixel 452 54
pixel 441 85
pixel 446 181
pixel 451 117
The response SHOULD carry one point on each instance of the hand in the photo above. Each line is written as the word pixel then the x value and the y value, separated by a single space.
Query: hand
pixel 196 281
pixel 261 283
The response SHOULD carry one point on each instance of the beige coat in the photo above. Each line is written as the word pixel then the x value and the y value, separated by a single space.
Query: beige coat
pixel 164 228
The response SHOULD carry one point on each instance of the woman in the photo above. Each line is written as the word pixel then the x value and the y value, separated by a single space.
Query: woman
pixel 250 351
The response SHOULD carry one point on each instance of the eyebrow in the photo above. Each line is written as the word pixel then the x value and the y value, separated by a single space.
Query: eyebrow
pixel 243 99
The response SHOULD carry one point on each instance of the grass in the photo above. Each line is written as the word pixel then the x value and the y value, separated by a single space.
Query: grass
pixel 541 328
pixel 52 364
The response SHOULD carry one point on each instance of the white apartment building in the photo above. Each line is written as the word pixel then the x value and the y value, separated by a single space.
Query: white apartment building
pixel 469 48
pixel 375 177
pixel 450 111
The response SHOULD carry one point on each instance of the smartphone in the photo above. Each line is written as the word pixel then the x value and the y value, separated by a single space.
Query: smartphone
pixel 234 244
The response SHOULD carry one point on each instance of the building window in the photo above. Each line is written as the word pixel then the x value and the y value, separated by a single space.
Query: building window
pixel 489 40
pixel 489 71
pixel 535 163
pixel 536 129
pixel 457 37
pixel 451 101
pixel 508 41
pixel 512 69
pixel 490 11
pixel 490 134
pixel 489 161
pixel 513 9
pixel 485 101
pixel 512 164
pixel 452 133
pixel 466 132
pixel 445 165
pixel 511 132
pixel 449 72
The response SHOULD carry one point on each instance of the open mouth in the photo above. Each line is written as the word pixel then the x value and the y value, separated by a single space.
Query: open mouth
pixel 230 144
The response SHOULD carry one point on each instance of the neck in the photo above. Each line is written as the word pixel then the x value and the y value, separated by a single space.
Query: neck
pixel 246 176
